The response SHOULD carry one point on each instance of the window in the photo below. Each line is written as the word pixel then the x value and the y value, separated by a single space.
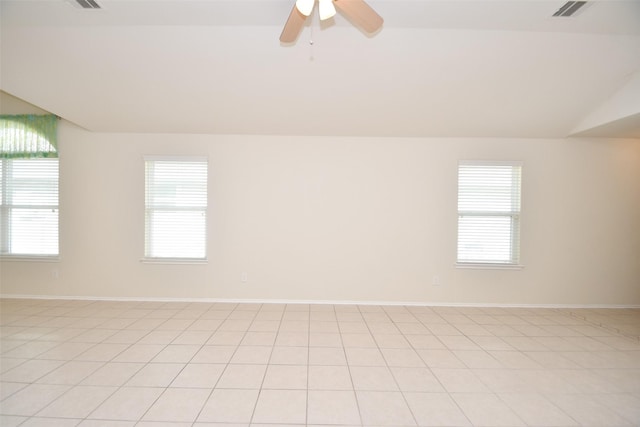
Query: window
pixel 29 220
pixel 175 208
pixel 28 186
pixel 489 213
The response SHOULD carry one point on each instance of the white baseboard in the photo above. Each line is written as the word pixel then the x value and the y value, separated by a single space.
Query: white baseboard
pixel 315 302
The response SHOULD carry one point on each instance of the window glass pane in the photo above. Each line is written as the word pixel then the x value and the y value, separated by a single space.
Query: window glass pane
pixel 177 184
pixel 484 239
pixel 177 234
pixel 34 231
pixel 34 182
pixel 488 188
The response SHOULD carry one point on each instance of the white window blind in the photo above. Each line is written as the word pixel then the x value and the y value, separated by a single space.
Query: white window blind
pixel 29 210
pixel 176 208
pixel 489 213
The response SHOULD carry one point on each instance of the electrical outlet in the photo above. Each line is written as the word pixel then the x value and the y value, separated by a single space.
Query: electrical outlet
pixel 244 277
pixel 435 280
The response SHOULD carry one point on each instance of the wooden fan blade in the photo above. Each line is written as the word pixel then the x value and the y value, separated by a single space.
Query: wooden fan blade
pixel 360 13
pixel 293 26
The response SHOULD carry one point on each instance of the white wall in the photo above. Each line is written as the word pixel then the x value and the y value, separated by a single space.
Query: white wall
pixel 371 219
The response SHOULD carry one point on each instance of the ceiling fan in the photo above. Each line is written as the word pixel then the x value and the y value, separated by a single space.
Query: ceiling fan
pixel 357 11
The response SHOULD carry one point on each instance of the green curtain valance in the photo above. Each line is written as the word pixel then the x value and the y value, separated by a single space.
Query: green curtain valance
pixel 28 135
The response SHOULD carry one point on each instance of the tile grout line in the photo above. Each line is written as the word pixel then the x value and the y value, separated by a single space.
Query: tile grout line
pixel 457 405
pixel 264 375
pixel 402 393
pixel 226 364
pixel 176 376
pixel 306 413
pixel 71 387
pixel 344 351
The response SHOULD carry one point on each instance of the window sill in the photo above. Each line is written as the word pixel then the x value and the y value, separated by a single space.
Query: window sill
pixel 29 258
pixel 488 266
pixel 184 261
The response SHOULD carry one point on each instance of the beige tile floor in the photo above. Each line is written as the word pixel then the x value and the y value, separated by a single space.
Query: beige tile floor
pixel 117 364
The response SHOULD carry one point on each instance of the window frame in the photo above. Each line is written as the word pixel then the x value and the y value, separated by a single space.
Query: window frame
pixel 515 216
pixel 6 206
pixel 147 259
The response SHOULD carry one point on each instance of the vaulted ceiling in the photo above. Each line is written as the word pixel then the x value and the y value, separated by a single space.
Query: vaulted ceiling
pixel 449 68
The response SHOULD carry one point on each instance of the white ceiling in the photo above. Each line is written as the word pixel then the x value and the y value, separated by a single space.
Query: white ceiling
pixel 437 68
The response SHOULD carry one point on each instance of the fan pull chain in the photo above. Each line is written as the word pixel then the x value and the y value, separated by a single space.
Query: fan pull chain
pixel 311 58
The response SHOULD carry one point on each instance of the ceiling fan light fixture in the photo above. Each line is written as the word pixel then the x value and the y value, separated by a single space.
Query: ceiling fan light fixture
pixel 326 9
pixel 305 6
pixel 357 11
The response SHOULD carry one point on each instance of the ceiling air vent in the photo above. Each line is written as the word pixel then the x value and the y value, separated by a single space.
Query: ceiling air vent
pixel 568 9
pixel 87 4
